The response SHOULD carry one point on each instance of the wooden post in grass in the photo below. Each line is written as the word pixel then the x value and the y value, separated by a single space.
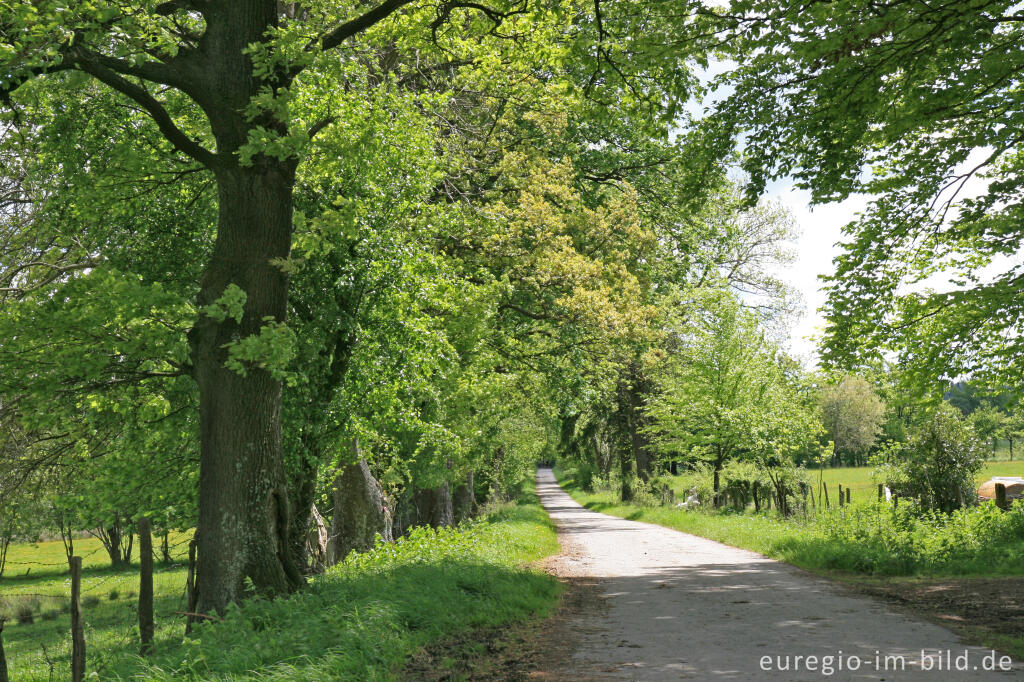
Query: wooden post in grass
pixel 190 584
pixel 145 586
pixel 881 492
pixel 841 497
pixel 3 657
pixel 824 489
pixel 1001 496
pixel 77 631
pixel 847 494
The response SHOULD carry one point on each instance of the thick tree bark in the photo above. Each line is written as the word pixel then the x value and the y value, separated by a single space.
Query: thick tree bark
pixel 302 478
pixel 464 500
pixel 360 512
pixel 244 515
pixel 626 471
pixel 638 441
pixel 433 507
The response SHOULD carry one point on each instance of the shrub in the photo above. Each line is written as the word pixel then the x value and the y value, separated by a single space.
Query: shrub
pixel 740 480
pixel 90 601
pixel 51 614
pixel 938 465
pixel 585 475
pixel 25 615
pixel 114 595
pixel 646 494
pixel 700 477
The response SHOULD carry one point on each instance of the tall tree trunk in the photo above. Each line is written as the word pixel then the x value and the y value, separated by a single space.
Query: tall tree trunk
pixel 638 441
pixel 464 500
pixel 302 477
pixel 717 483
pixel 433 507
pixel 626 470
pixel 360 512
pixel 244 516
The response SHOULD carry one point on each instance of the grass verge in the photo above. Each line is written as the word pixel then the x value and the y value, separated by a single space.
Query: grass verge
pixel 360 621
pixel 860 539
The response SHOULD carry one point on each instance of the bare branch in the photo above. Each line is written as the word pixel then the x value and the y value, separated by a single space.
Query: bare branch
pixel 361 23
pixel 92 64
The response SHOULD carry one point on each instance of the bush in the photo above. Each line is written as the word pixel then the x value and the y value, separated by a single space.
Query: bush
pixel 25 614
pixel 739 482
pixel 647 494
pixel 114 595
pixel 90 601
pixel 938 465
pixel 585 475
pixel 701 479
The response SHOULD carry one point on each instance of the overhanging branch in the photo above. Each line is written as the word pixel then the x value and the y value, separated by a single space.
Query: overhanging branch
pixel 93 65
pixel 361 23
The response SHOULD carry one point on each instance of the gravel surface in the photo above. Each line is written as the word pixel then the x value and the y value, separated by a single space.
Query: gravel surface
pixel 676 606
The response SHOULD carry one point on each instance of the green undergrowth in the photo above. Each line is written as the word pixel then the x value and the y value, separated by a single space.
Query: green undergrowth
pixel 870 539
pixel 364 617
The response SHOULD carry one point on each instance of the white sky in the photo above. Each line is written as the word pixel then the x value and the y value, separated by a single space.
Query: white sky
pixel 820 231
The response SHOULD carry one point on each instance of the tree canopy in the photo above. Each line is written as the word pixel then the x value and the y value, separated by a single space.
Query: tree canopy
pixel 917 106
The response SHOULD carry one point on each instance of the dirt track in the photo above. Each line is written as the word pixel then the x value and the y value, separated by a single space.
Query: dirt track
pixel 676 606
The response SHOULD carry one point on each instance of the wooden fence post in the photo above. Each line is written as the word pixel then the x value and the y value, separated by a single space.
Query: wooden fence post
pixel 3 657
pixel 881 492
pixel 145 586
pixel 190 584
pixel 1001 496
pixel 824 489
pixel 77 631
pixel 847 494
pixel 842 499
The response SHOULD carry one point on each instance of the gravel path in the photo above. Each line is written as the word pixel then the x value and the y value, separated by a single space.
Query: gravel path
pixel 675 606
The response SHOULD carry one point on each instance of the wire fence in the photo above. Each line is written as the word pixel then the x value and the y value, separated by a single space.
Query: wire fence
pixel 157 552
pixel 93 584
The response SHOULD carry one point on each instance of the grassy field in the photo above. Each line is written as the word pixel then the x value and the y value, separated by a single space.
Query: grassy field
pixel 863 489
pixel 858 479
pixel 36 582
pixel 360 621
pixel 865 539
